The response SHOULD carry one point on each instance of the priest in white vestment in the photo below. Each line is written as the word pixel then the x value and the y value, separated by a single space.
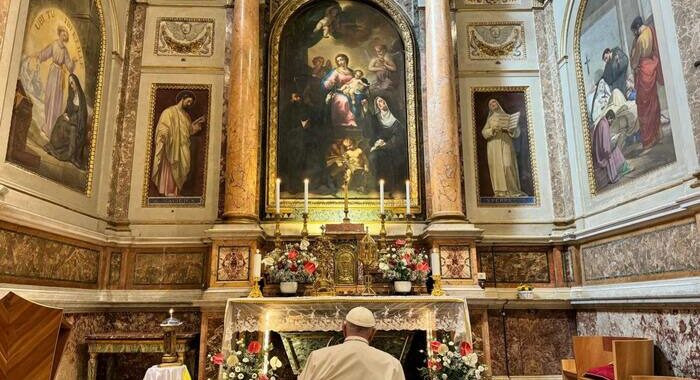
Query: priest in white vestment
pixel 171 156
pixel 354 359
pixel 500 130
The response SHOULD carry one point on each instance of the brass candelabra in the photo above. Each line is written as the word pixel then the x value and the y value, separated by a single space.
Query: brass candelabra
pixel 304 228
pixel 255 291
pixel 409 231
pixel 382 231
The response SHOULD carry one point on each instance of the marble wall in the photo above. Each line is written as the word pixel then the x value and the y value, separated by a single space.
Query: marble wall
pixel 25 256
pixel 515 265
pixel 73 365
pixel 687 14
pixel 536 341
pixel 181 269
pixel 650 253
pixel 676 335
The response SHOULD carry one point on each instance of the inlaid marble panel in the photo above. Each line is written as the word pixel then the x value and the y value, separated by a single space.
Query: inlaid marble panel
pixel 455 262
pixel 73 363
pixel 32 257
pixel 224 110
pixel 115 266
pixel 656 251
pixel 233 263
pixel 497 40
pixel 118 204
pixel 181 268
pixel 675 332
pixel 215 334
pixel 515 266
pixel 183 36
pixel 687 14
pixel 536 341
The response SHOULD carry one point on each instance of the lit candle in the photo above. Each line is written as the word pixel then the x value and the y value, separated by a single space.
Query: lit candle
pixel 435 261
pixel 408 198
pixel 381 196
pixel 277 195
pixel 257 262
pixel 306 195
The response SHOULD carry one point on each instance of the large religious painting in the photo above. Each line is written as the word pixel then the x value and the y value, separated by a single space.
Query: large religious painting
pixel 342 105
pixel 56 108
pixel 504 150
pixel 176 165
pixel 625 110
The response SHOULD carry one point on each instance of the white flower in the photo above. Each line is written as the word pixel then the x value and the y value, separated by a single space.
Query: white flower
pixel 304 244
pixel 240 376
pixel 237 369
pixel 267 261
pixel 275 362
pixel 383 266
pixel 245 360
pixel 444 376
pixel 470 359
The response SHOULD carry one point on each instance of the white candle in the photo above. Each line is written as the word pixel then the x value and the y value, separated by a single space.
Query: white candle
pixel 257 262
pixel 381 196
pixel 408 198
pixel 277 195
pixel 306 195
pixel 435 261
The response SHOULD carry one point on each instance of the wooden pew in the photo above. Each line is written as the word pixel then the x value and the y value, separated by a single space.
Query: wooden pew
pixel 660 378
pixel 630 356
pixel 32 339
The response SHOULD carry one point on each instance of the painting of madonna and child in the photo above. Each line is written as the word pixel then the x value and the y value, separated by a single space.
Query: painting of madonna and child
pixel 628 123
pixel 342 106
pixel 56 102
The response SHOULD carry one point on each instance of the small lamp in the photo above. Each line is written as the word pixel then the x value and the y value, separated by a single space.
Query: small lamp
pixel 170 341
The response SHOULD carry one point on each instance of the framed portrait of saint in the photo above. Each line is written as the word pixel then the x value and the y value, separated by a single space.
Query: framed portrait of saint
pixel 504 150
pixel 342 105
pixel 58 94
pixel 176 165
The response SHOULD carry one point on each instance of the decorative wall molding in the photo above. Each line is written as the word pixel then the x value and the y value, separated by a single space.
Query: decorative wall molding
pixel 497 40
pixel 182 36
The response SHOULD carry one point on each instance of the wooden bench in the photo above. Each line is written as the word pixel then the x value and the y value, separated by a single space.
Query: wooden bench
pixel 630 356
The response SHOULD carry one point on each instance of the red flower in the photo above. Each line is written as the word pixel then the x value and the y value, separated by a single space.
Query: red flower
pixel 422 266
pixel 407 257
pixel 292 255
pixel 465 348
pixel 310 267
pixel 435 346
pixel 434 365
pixel 400 242
pixel 254 347
pixel 218 359
pixel 293 268
pixel 262 376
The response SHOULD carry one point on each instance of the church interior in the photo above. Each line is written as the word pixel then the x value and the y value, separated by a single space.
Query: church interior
pixel 211 185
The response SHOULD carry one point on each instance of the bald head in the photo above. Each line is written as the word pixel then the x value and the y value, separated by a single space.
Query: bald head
pixel 350 329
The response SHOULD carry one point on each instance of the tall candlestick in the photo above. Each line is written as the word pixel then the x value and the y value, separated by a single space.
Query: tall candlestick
pixel 257 261
pixel 435 261
pixel 277 195
pixel 408 198
pixel 306 195
pixel 381 196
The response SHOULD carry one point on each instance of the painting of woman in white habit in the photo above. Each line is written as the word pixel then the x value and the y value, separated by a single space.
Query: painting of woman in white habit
pixel 500 130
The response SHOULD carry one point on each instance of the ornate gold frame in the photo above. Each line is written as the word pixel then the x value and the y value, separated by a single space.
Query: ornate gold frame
pixel 531 144
pixel 405 30
pixel 149 138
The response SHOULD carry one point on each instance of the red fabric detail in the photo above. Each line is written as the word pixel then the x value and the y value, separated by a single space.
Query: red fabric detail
pixel 606 372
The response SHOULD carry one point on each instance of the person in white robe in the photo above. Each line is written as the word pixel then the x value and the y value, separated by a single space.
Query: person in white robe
pixel 355 358
pixel 500 130
pixel 171 156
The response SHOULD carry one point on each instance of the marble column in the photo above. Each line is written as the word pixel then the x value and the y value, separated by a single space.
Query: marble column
pixel 243 134
pixel 444 164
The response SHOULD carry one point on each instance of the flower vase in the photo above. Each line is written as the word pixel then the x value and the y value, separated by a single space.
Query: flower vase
pixel 289 287
pixel 525 294
pixel 402 286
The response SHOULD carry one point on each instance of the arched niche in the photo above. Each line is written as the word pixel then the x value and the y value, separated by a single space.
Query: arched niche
pixel 308 137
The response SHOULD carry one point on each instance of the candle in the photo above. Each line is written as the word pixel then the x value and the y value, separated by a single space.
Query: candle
pixel 306 195
pixel 408 198
pixel 257 262
pixel 277 195
pixel 381 196
pixel 435 261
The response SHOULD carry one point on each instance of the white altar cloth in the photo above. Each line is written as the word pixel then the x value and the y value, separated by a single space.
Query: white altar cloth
pixel 167 373
pixel 426 313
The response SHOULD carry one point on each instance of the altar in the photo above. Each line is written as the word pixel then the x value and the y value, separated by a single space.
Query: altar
pixel 405 324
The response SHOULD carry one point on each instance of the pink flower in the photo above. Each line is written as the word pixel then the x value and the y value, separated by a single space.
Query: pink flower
pixel 435 346
pixel 292 255
pixel 310 267
pixel 422 266
pixel 465 348
pixel 407 257
pixel 218 359
pixel 434 365
pixel 254 347
pixel 400 242
pixel 262 376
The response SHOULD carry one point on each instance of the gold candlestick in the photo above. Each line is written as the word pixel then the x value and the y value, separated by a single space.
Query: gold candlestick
pixel 346 210
pixel 437 286
pixel 304 229
pixel 278 233
pixel 382 231
pixel 409 231
pixel 255 291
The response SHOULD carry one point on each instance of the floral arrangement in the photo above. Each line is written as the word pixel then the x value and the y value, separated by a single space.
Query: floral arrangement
pixel 403 263
pixel 246 363
pixel 448 360
pixel 525 288
pixel 294 263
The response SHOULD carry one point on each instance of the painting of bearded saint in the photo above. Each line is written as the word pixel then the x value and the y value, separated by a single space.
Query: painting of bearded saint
pixel 621 85
pixel 342 111
pixel 54 117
